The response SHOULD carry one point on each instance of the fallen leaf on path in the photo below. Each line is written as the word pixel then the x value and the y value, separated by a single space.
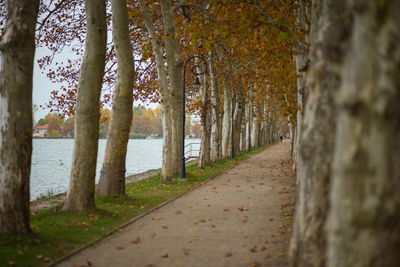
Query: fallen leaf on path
pixel 135 240
pixel 227 254
pixel 266 241
pixel 89 263
pixel 252 205
pixel 253 263
pixel 120 230
pixel 165 227
pixel 271 220
pixel 149 264
pixel 267 256
pixel 178 212
pixel 264 248
pixel 164 256
pixel 254 249
pixel 243 209
pixel 226 209
pixel 119 247
pixel 153 235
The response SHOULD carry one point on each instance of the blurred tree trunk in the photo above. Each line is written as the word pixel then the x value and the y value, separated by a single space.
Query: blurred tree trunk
pixel 112 177
pixel 364 219
pixel 80 195
pixel 330 28
pixel 17 49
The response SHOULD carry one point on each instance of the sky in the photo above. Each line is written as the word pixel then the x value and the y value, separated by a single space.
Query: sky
pixel 42 86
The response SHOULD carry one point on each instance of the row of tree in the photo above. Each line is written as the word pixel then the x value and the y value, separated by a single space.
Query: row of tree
pixel 140 26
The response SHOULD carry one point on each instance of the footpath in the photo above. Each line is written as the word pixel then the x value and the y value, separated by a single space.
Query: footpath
pixel 241 218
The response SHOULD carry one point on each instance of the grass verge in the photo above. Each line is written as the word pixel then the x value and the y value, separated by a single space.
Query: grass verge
pixel 56 232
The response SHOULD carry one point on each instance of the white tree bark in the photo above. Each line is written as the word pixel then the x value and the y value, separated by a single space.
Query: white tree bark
pixel 215 114
pixel 364 219
pixel 204 156
pixel 226 123
pixel 166 168
pixel 328 36
pixel 17 49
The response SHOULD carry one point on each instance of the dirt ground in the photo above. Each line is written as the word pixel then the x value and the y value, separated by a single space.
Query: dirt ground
pixel 241 218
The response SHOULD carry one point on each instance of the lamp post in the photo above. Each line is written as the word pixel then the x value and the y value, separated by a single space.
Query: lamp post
pixel 197 69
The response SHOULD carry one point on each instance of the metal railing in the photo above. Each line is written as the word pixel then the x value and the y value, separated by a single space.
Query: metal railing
pixel 190 149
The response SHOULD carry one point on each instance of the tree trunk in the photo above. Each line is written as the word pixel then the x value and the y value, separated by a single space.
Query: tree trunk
pixel 112 178
pixel 17 49
pixel 308 247
pixel 237 125
pixel 166 168
pixel 175 63
pixel 215 114
pixel 243 129
pixel 364 220
pixel 204 156
pixel 226 122
pixel 80 194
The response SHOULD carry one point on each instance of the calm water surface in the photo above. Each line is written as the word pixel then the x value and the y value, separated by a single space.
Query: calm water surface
pixel 52 160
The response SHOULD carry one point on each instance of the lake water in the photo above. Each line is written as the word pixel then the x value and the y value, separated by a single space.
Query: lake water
pixel 52 160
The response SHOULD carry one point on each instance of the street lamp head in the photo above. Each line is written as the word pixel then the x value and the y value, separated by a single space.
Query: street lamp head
pixel 197 83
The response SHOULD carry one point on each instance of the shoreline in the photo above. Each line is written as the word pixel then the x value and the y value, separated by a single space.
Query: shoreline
pixel 48 202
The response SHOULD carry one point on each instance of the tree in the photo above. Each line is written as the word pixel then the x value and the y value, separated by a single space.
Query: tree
pixel 80 195
pixel 69 125
pixel 167 156
pixel 112 177
pixel 364 218
pixel 17 49
pixel 55 123
pixel 175 64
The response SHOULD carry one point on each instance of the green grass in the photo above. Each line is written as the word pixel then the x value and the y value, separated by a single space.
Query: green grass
pixel 56 232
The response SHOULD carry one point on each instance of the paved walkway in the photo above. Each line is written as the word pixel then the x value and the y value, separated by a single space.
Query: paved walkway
pixel 241 218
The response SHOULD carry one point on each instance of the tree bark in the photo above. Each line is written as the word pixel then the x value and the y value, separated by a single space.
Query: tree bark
pixel 80 195
pixel 308 246
pixel 112 177
pixel 226 122
pixel 17 49
pixel 175 63
pixel 364 220
pixel 215 114
pixel 204 156
pixel 167 159
pixel 243 129
pixel 237 127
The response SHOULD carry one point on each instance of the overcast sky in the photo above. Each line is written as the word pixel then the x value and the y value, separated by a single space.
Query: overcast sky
pixel 42 86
